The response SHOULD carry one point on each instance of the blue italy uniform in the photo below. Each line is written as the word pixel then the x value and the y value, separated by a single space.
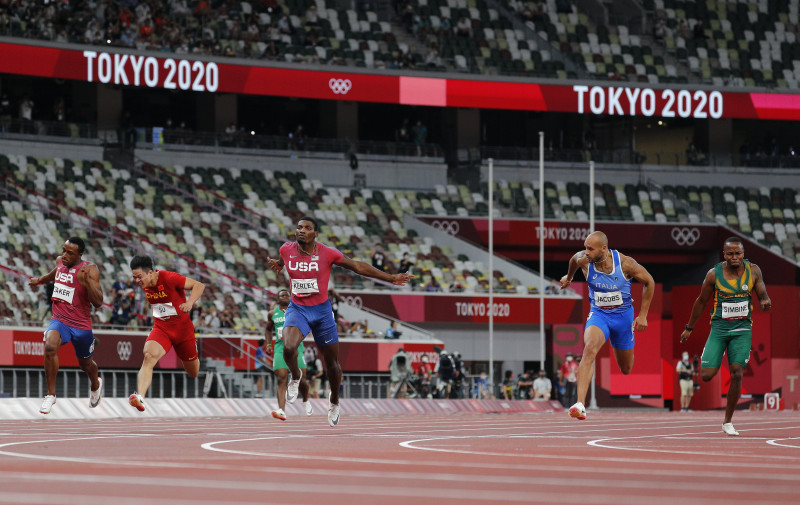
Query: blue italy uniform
pixel 612 308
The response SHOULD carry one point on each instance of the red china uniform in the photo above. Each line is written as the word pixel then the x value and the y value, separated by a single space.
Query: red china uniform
pixel 172 327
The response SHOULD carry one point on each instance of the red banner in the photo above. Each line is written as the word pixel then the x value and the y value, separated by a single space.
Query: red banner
pixel 118 67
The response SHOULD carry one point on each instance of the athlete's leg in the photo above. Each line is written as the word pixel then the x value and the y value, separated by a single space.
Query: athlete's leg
pixel 192 367
pixel 90 367
pixel 51 346
pixel 152 353
pixel 292 336
pixel 330 355
pixel 282 374
pixel 593 339
pixel 624 360
pixel 734 390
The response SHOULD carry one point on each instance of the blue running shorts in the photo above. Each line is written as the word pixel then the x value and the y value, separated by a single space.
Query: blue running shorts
pixel 616 326
pixel 315 319
pixel 82 340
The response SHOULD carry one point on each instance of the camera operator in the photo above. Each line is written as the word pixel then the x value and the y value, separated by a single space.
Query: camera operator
pixel 400 370
pixel 686 372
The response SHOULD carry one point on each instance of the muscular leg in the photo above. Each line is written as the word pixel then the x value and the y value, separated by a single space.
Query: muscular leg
pixel 593 339
pixel 152 353
pixel 624 360
pixel 51 346
pixel 283 375
pixel 734 391
pixel 291 341
pixel 90 367
pixel 192 367
pixel 330 354
pixel 304 388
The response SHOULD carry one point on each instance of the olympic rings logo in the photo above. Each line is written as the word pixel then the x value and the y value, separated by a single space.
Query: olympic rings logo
pixel 353 301
pixel 449 227
pixel 340 86
pixel 685 236
pixel 124 350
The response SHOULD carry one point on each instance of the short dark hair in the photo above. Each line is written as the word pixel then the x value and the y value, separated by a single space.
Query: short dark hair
pixel 310 220
pixel 261 342
pixel 78 242
pixel 281 291
pixel 143 262
pixel 733 240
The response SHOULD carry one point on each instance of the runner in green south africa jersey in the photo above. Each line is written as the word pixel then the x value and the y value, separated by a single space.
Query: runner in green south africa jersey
pixel 275 329
pixel 732 283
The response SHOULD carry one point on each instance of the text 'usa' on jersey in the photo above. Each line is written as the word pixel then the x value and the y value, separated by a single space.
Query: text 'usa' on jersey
pixel 609 292
pixel 309 273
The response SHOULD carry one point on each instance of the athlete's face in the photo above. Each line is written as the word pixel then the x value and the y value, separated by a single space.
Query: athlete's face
pixel 144 279
pixel 733 254
pixel 305 232
pixel 283 298
pixel 70 255
pixel 594 251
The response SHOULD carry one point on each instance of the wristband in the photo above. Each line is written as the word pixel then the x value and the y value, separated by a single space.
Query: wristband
pixel 688 328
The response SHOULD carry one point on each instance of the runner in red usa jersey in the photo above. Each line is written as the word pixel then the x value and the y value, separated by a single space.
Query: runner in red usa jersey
pixel 172 327
pixel 76 288
pixel 308 264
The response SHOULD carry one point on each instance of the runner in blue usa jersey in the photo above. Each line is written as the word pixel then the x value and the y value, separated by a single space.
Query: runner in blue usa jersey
pixel 609 274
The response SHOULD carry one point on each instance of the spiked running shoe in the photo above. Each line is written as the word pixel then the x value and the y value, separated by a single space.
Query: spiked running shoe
pixel 96 396
pixel 137 401
pixel 729 430
pixel 333 413
pixel 293 388
pixel 47 404
pixel 578 411
pixel 308 407
pixel 279 414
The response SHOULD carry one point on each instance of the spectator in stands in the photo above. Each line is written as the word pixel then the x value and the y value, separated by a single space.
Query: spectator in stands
pixel 542 387
pixel 226 319
pixel 464 27
pixel 569 370
pixel 446 27
pixel 212 319
pixel 433 286
pixel 660 30
pixel 26 115
pixel 456 287
pixel 5 113
pixel 122 313
pixel 525 386
pixel 393 332
pixel 432 59
pixel 285 26
pixel 262 366
pixel 379 258
pixel 420 135
pixel 407 18
pixel 694 156
pixel 405 264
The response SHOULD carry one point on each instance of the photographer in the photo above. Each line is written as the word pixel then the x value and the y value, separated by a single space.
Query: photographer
pixel 686 372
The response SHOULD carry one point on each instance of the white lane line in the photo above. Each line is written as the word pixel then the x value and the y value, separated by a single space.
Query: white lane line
pixel 776 441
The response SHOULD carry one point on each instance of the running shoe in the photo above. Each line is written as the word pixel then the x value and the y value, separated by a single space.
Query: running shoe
pixel 333 413
pixel 279 414
pixel 729 430
pixel 293 388
pixel 96 396
pixel 47 404
pixel 136 400
pixel 308 407
pixel 578 411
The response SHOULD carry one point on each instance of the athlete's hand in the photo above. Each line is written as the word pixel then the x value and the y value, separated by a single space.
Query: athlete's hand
pixel 83 277
pixel 685 335
pixel 766 305
pixel 565 282
pixel 34 281
pixel 186 307
pixel 401 279
pixel 640 323
pixel 269 350
pixel 275 265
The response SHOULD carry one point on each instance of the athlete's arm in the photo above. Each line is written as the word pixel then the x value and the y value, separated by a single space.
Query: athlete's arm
pixel 89 278
pixel 700 303
pixel 275 264
pixel 197 288
pixel 760 288
pixel 368 270
pixel 35 281
pixel 578 260
pixel 633 270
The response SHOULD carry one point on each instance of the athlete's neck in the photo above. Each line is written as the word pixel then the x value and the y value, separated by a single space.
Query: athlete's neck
pixel 283 307
pixel 308 247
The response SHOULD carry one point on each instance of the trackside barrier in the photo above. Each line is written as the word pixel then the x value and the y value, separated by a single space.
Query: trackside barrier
pixel 114 408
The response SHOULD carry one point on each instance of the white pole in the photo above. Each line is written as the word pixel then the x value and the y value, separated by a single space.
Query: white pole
pixel 542 354
pixel 491 273
pixel 593 400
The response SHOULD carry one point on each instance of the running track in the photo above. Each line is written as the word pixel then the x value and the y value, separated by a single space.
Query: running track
pixel 612 458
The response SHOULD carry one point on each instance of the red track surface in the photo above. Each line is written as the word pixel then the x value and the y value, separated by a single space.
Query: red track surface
pixel 613 457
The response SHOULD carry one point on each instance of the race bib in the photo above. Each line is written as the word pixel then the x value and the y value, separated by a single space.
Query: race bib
pixel 610 299
pixel 164 310
pixel 63 293
pixel 735 310
pixel 304 287
pixel 280 333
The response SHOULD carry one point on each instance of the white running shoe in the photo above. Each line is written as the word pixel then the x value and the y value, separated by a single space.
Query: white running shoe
pixel 47 404
pixel 293 388
pixel 308 407
pixel 96 396
pixel 729 430
pixel 333 413
pixel 578 411
pixel 279 414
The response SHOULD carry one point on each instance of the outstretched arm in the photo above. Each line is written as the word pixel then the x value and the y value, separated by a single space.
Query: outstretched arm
pixel 760 288
pixel 36 281
pixel 633 270
pixel 578 260
pixel 700 303
pixel 368 270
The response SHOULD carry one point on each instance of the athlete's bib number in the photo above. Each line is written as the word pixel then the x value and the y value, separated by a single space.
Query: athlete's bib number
pixel 63 293
pixel 280 334
pixel 304 287
pixel 164 310
pixel 610 299
pixel 735 310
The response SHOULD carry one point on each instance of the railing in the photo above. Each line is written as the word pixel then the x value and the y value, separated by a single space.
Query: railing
pixel 60 130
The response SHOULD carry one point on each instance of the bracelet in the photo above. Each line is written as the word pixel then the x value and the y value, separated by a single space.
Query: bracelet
pixel 688 328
